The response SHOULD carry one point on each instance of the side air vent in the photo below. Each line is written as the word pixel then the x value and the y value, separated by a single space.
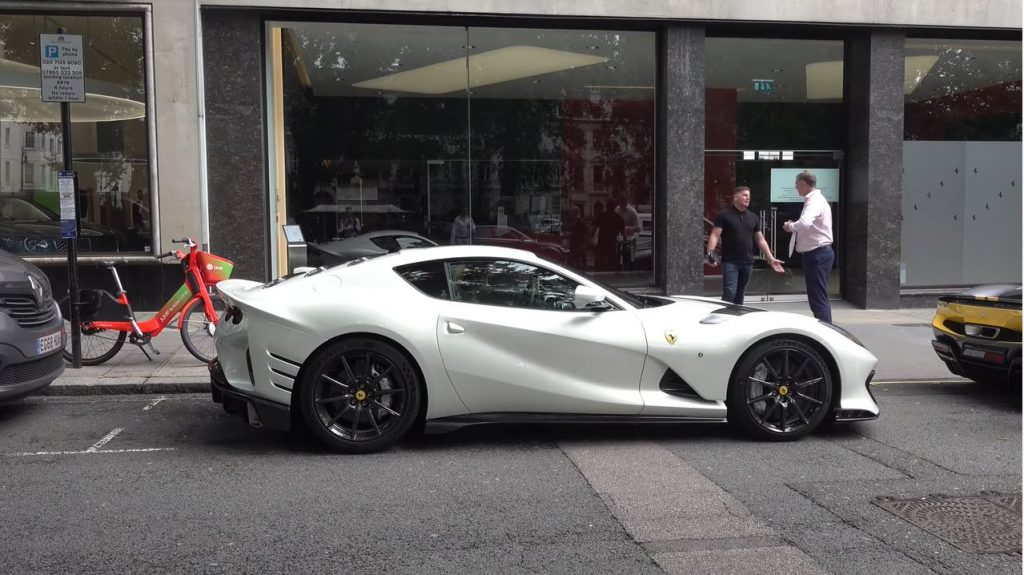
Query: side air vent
pixel 284 359
pixel 248 364
pixel 672 384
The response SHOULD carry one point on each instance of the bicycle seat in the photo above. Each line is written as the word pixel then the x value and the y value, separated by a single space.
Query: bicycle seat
pixel 107 264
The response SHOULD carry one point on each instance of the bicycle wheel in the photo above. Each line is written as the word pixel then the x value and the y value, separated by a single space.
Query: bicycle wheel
pixel 98 345
pixel 197 331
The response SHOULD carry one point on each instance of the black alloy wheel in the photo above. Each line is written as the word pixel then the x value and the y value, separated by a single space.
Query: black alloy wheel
pixel 359 395
pixel 781 390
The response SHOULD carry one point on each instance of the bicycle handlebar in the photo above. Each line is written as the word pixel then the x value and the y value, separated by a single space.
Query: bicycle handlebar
pixel 186 241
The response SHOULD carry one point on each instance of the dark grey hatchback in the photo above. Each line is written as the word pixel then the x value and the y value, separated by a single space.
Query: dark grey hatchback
pixel 31 329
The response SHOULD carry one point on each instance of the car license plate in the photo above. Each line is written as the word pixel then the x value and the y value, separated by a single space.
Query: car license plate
pixel 986 355
pixel 48 343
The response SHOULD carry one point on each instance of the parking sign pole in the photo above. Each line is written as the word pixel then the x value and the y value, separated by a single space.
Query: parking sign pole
pixel 63 80
pixel 76 329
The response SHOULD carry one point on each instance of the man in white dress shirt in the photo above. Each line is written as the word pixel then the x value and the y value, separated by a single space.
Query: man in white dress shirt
pixel 814 242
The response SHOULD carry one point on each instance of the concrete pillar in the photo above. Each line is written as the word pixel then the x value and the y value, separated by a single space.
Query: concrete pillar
pixel 680 238
pixel 872 205
pixel 237 169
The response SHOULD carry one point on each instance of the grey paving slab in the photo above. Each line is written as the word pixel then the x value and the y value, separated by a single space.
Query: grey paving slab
pixel 664 502
pixel 782 560
pixel 731 461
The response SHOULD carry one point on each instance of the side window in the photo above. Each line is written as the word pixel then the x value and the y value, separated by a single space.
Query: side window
pixel 386 243
pixel 428 278
pixel 409 242
pixel 510 284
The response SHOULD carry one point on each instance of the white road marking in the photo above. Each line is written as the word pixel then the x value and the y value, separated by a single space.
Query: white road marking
pixel 153 403
pixel 102 442
pixel 91 451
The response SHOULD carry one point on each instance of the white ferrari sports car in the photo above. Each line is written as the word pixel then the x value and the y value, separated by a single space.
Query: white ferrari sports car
pixel 364 352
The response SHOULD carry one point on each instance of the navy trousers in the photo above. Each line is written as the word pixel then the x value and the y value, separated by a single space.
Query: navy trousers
pixel 735 278
pixel 817 267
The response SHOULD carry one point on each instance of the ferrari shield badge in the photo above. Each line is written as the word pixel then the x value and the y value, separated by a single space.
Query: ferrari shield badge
pixel 670 337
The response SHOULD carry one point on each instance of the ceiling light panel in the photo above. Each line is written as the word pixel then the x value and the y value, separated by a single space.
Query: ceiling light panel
pixel 485 68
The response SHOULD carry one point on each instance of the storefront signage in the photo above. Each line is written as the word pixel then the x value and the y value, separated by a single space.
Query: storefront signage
pixel 764 87
pixel 784 184
pixel 61 68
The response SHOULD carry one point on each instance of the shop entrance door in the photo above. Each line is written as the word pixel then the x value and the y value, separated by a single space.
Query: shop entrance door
pixel 770 175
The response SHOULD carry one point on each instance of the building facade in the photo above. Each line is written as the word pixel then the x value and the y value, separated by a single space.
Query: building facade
pixel 605 137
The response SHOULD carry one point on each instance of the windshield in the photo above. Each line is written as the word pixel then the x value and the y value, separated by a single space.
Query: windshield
pixel 21 210
pixel 636 300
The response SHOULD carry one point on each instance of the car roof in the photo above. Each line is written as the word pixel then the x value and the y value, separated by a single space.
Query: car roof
pixel 377 233
pixel 434 253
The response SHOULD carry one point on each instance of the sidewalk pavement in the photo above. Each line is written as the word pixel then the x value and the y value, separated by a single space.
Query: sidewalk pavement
pixel 899 338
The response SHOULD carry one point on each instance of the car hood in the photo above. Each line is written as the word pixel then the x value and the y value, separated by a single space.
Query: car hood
pixel 49 229
pixel 1000 292
pixel 690 310
pixel 711 305
pixel 14 273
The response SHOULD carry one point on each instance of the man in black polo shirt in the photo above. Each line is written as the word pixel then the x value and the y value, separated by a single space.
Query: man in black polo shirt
pixel 739 229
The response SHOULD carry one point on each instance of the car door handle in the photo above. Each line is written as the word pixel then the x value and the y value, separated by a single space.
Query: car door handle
pixel 455 328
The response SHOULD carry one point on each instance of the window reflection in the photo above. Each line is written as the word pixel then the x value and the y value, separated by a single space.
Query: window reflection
pixel 546 126
pixel 510 284
pixel 961 163
pixel 963 90
pixel 108 132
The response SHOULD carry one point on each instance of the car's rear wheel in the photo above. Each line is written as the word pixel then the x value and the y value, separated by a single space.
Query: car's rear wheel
pixel 782 390
pixel 359 395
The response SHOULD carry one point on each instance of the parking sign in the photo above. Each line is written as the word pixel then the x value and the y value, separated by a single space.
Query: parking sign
pixel 61 69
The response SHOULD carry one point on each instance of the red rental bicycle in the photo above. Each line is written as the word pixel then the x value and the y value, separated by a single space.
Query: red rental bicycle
pixel 108 320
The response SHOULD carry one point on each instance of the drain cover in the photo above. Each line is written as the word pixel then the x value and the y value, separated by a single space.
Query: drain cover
pixel 987 523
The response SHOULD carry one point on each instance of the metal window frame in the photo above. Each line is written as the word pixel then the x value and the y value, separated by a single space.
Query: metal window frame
pixel 127 9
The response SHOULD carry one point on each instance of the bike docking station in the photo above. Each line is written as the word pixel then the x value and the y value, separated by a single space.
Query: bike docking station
pixel 102 320
pixel 107 321
pixel 62 79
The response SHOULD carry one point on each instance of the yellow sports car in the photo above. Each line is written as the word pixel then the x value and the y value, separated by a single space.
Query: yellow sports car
pixel 978 333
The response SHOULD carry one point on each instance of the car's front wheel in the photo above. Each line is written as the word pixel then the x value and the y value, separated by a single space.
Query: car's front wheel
pixel 781 390
pixel 359 395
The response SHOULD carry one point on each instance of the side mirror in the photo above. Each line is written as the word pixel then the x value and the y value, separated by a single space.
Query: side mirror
pixel 588 298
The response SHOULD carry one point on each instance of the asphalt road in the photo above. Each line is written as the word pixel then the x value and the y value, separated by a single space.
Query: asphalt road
pixel 172 484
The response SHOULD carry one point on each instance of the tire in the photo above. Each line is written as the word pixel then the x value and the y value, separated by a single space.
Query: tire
pixel 781 390
pixel 330 388
pixel 98 345
pixel 197 332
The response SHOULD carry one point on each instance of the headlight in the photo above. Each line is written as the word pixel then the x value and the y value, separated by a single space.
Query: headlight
pixel 843 332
